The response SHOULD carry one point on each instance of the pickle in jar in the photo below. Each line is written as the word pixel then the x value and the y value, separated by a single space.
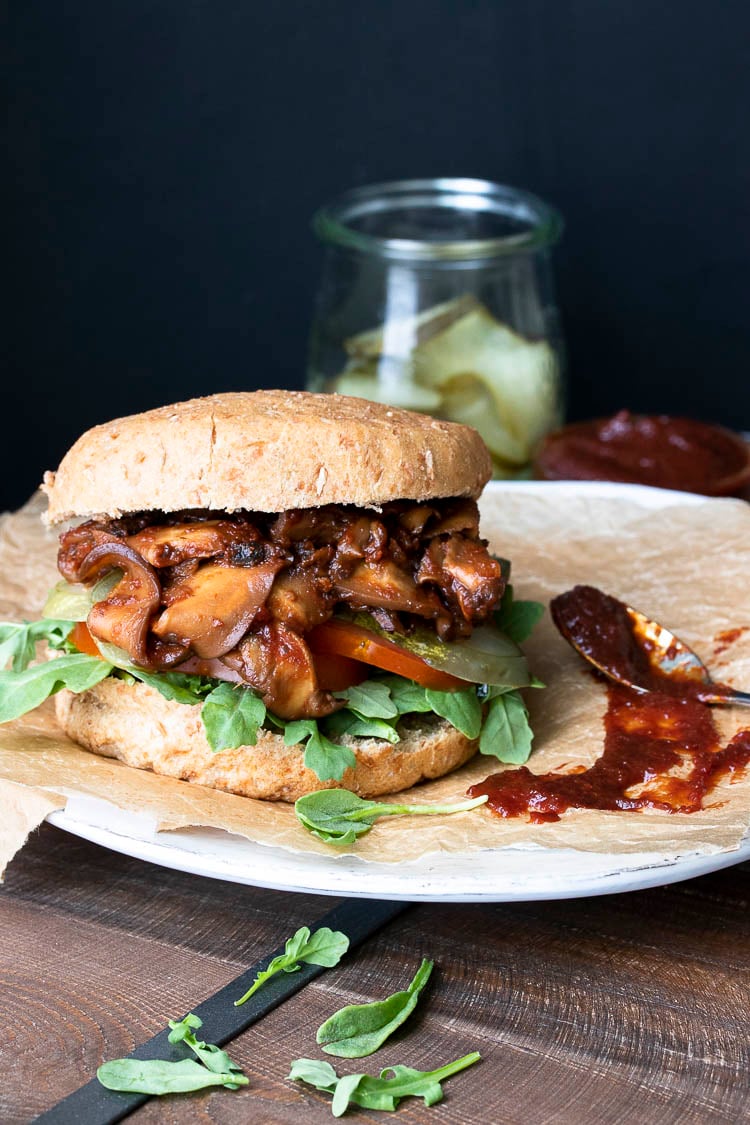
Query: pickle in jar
pixel 457 361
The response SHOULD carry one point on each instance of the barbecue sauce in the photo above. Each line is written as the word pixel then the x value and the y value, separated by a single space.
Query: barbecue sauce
pixel 648 739
pixel 657 450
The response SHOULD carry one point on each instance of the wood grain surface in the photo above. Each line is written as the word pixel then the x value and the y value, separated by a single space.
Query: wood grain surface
pixel 625 1008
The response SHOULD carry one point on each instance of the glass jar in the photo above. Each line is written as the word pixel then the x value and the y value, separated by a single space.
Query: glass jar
pixel 437 295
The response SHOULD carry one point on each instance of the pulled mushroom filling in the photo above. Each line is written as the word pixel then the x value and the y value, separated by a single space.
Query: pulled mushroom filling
pixel 235 596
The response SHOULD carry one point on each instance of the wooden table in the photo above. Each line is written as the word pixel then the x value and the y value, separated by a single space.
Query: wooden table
pixel 626 1008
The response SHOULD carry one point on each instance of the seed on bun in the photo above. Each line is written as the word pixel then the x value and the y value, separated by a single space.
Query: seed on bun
pixel 265 451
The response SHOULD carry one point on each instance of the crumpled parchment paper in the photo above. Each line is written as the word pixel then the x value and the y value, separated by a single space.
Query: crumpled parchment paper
pixel 685 565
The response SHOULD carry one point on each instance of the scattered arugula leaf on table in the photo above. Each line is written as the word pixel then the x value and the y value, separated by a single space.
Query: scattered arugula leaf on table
pixel 360 1029
pixel 382 1092
pixel 323 947
pixel 212 1057
pixel 338 816
pixel 213 1067
pixel 157 1076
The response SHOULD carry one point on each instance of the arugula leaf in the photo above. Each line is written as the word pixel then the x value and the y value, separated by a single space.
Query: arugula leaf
pixel 326 759
pixel 407 696
pixel 517 618
pixel 157 1076
pixel 374 728
pixel 324 947
pixel 212 1057
pixel 316 1072
pixel 165 1076
pixel 349 722
pixel 180 1029
pixel 231 716
pixel 462 709
pixel 506 733
pixel 371 700
pixel 360 1029
pixel 18 641
pixel 175 686
pixel 338 816
pixel 383 1092
pixel 23 691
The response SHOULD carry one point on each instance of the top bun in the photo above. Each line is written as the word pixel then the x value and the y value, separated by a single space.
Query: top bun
pixel 265 451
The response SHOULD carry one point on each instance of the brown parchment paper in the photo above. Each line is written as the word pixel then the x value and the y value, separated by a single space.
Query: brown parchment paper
pixel 686 565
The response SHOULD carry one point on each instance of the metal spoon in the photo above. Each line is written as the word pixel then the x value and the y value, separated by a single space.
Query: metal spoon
pixel 633 650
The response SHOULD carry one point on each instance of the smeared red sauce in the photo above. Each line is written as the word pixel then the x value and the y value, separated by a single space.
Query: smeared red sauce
pixel 658 450
pixel 727 638
pixel 647 735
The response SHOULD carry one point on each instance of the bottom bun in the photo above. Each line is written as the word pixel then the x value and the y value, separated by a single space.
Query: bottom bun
pixel 137 725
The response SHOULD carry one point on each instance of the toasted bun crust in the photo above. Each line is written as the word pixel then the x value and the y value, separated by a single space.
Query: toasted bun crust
pixel 134 723
pixel 265 451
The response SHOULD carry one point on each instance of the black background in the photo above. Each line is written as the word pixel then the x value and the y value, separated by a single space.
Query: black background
pixel 165 158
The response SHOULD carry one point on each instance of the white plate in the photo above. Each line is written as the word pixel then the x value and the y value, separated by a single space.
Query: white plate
pixel 497 875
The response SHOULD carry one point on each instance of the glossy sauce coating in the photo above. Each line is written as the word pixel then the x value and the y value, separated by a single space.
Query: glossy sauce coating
pixel 646 736
pixel 661 746
pixel 604 630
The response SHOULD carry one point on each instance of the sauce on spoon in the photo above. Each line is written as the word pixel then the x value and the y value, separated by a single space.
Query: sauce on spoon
pixel 660 739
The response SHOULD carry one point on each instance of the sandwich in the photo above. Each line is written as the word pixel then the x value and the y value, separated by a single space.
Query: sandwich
pixel 275 592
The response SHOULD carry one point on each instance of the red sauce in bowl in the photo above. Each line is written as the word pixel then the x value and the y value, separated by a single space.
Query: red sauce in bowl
pixel 657 450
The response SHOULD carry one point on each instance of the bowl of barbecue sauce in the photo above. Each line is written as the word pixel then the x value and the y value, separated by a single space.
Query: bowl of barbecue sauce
pixel 657 450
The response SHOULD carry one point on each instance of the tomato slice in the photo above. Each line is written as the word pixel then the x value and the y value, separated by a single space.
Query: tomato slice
pixel 341 638
pixel 82 639
pixel 341 653
pixel 334 672
pixel 337 673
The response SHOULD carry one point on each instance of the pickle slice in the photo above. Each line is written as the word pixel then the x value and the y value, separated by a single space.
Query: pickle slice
pixel 486 657
pixel 519 375
pixel 401 334
pixel 467 398
pixel 401 390
pixel 458 362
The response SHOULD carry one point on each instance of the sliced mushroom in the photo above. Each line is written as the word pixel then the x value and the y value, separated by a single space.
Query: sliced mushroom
pixel 461 515
pixel 277 663
pixel 170 545
pixel 76 545
pixel 464 569
pixel 216 606
pixel 414 518
pixel 124 617
pixel 387 586
pixel 361 538
pixel 299 600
